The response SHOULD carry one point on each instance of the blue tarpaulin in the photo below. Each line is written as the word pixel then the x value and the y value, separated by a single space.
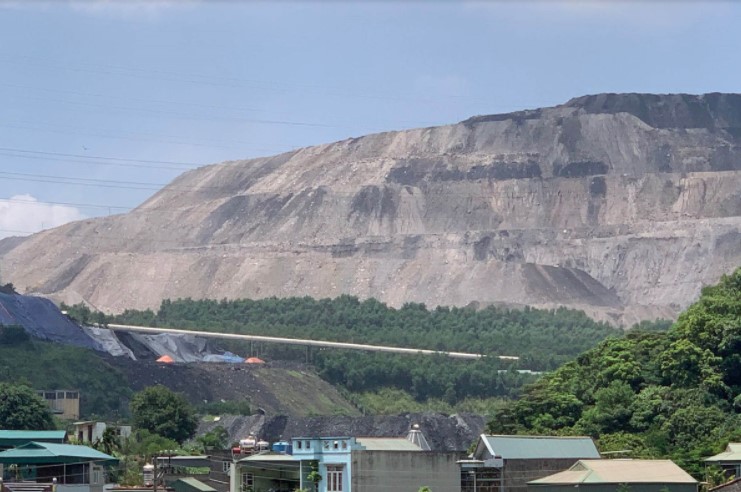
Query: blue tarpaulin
pixel 42 319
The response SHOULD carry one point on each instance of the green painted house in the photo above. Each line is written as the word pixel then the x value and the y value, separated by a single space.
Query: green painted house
pixel 73 468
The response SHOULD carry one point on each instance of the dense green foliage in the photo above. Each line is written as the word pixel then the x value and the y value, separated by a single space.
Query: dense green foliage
pixel 103 389
pixel 13 335
pixel 162 412
pixel 675 394
pixel 22 409
pixel 217 438
pixel 545 339
pixel 542 339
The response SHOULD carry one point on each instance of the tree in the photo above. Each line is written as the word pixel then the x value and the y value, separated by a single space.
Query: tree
pixel 215 439
pixel 22 409
pixel 162 412
pixel 108 442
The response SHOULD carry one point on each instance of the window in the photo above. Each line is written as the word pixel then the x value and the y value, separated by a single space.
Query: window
pixel 72 395
pixel 299 444
pixel 225 466
pixel 248 480
pixel 308 445
pixel 334 478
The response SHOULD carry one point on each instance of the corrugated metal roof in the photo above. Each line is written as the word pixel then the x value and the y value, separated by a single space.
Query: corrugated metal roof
pixel 386 444
pixel 44 452
pixel 540 447
pixel 732 453
pixel 27 436
pixel 619 471
pixel 196 484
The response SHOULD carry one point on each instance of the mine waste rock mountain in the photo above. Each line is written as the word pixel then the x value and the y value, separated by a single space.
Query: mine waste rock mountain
pixel 623 205
pixel 443 432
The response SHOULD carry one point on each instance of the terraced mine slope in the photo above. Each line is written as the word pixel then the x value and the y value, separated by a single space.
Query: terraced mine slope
pixel 624 205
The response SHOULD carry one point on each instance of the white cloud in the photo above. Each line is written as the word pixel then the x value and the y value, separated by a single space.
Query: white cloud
pixel 23 214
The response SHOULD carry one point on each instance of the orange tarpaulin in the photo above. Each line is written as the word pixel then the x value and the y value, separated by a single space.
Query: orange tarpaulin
pixel 255 360
pixel 166 359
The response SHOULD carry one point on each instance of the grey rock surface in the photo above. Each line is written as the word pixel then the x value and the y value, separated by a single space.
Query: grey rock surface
pixel 443 432
pixel 623 205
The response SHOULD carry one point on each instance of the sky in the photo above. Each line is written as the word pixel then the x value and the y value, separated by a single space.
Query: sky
pixel 103 102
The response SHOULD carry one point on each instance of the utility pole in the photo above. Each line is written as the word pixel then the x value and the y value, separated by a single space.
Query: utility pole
pixel 154 480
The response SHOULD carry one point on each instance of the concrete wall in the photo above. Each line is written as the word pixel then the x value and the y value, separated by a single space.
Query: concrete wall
pixel 404 471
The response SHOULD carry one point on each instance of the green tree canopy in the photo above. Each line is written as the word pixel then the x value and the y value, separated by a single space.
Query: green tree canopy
pixel 675 394
pixel 22 409
pixel 162 412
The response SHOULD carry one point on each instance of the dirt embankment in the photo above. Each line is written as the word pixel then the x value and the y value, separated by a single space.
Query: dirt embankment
pixel 277 390
pixel 443 432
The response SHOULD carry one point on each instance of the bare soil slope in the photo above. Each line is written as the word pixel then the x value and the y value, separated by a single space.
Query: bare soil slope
pixel 624 205
pixel 277 390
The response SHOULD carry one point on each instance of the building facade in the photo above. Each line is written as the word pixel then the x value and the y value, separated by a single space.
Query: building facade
pixel 508 463
pixel 348 464
pixel 609 475
pixel 65 404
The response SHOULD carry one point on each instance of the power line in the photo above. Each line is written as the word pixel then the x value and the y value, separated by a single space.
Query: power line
pixel 148 137
pixel 177 103
pixel 73 204
pixel 97 157
pixel 209 80
pixel 192 116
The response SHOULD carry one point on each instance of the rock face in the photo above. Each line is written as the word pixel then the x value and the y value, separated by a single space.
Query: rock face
pixel 624 205
pixel 443 432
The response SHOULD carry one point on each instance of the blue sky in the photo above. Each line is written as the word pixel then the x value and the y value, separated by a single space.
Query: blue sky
pixel 124 96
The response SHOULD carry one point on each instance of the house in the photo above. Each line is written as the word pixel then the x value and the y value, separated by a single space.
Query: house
pixel 13 438
pixel 71 468
pixel 732 486
pixel 607 475
pixel 171 469
pixel 91 431
pixel 348 464
pixel 65 404
pixel 190 484
pixel 508 463
pixel 219 462
pixel 729 460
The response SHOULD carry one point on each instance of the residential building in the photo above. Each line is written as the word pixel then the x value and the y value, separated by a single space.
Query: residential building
pixel 349 464
pixel 71 468
pixel 91 431
pixel 13 438
pixel 219 462
pixel 508 463
pixel 732 486
pixel 729 460
pixel 65 404
pixel 190 484
pixel 608 475
pixel 170 469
